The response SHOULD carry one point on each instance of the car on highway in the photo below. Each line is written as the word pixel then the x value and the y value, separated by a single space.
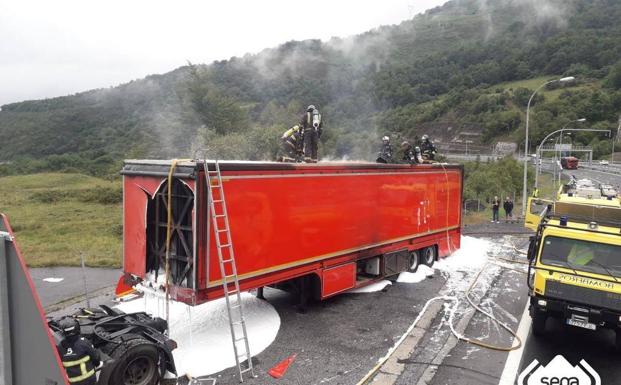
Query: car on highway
pixel 604 162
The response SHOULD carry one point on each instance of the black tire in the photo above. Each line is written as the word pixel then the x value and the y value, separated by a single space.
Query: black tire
pixel 414 260
pixel 429 256
pixel 618 340
pixel 136 362
pixel 539 323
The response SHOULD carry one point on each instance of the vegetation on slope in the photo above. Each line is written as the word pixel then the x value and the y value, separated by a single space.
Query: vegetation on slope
pixel 470 61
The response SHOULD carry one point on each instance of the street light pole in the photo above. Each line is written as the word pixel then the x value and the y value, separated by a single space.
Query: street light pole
pixel 538 165
pixel 525 181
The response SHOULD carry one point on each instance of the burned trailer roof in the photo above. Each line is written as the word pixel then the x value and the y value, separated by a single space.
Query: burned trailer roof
pixel 188 169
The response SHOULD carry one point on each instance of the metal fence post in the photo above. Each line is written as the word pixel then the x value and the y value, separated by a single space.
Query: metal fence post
pixel 88 303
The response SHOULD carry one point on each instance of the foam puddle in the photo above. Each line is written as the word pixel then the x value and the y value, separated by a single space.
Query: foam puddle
pixel 372 288
pixel 419 275
pixel 203 333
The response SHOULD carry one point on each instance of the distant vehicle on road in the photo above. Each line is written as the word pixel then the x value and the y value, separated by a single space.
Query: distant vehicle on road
pixel 569 163
pixel 604 162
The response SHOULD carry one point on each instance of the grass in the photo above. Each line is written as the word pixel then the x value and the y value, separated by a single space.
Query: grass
pixel 534 83
pixel 56 217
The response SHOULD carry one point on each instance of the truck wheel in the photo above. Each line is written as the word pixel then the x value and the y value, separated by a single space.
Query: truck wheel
pixel 429 256
pixel 618 341
pixel 136 363
pixel 539 323
pixel 414 260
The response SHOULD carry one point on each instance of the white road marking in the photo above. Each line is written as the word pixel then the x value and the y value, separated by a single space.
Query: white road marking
pixel 512 364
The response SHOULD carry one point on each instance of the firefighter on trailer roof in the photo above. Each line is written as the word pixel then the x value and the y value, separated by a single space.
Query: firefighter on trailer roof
pixel 292 144
pixel 410 155
pixel 428 149
pixel 311 125
pixel 385 155
pixel 78 355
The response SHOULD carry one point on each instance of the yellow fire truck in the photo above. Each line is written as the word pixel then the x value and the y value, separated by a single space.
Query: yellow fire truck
pixel 575 258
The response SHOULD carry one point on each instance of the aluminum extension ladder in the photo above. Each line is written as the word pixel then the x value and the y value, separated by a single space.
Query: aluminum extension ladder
pixel 228 268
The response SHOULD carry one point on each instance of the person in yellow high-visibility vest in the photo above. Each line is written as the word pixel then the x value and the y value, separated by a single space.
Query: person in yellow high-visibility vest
pixel 292 144
pixel 580 255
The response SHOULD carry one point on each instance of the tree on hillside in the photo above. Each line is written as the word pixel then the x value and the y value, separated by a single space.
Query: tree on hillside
pixel 613 80
pixel 214 108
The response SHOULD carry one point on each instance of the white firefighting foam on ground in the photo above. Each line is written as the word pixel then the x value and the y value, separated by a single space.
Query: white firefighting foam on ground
pixel 203 333
pixel 372 288
pixel 419 275
pixel 472 255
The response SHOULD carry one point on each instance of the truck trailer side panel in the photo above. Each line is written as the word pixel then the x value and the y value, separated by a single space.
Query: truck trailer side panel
pixel 292 220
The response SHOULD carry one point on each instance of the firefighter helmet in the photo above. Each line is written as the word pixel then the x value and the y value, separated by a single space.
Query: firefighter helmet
pixel 385 138
pixel 405 144
pixel 69 327
pixel 310 108
pixel 425 138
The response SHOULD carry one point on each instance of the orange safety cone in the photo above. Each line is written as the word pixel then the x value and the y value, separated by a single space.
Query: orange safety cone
pixel 280 368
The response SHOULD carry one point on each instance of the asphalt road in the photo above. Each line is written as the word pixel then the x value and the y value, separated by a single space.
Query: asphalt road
pixel 598 176
pixel 70 283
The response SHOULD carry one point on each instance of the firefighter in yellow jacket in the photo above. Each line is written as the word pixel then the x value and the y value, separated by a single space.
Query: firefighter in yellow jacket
pixel 78 355
pixel 292 144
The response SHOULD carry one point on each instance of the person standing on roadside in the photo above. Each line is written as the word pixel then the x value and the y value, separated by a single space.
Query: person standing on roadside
pixel 495 209
pixel 508 206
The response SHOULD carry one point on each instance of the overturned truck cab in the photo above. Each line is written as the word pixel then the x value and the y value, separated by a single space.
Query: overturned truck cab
pixel 320 229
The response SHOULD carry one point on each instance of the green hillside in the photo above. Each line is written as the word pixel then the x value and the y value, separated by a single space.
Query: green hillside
pixel 469 61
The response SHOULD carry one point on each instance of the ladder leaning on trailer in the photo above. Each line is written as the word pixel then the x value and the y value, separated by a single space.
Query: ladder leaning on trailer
pixel 228 267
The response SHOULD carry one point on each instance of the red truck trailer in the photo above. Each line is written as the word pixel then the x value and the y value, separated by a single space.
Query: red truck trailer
pixel 327 227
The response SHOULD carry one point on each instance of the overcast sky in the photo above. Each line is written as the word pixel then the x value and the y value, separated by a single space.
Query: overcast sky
pixel 58 47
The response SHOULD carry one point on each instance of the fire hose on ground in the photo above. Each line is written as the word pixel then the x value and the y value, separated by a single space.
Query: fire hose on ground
pixel 457 335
